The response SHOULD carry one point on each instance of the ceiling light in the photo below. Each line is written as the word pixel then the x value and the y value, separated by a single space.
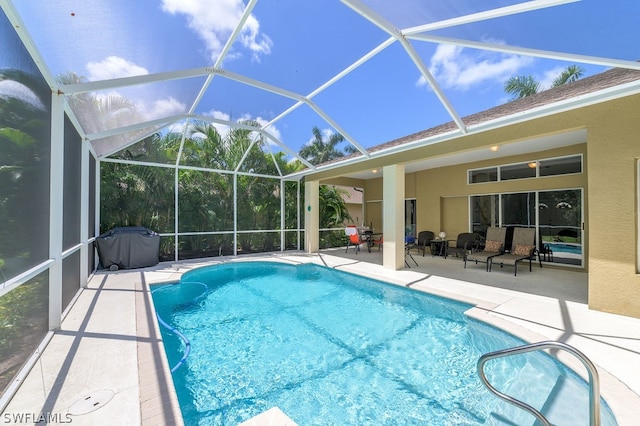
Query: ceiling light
pixel 374 171
pixel 494 148
pixel 533 164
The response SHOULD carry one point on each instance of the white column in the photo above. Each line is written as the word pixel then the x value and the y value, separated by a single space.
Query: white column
pixel 311 216
pixel 393 216
pixel 84 213
pixel 56 208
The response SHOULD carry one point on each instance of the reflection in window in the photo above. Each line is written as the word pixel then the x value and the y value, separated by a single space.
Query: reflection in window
pixel 25 313
pixel 561 166
pixel 560 216
pixel 519 209
pixel 484 212
pixel 557 215
pixel 483 175
pixel 518 171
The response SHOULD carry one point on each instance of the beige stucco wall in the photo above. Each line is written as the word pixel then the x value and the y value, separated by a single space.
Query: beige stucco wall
pixel 610 184
pixel 442 204
pixel 442 194
pixel 614 149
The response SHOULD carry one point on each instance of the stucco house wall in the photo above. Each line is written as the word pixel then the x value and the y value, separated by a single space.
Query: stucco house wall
pixel 610 152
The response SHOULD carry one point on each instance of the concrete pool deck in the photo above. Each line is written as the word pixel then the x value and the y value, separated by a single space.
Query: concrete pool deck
pixel 106 364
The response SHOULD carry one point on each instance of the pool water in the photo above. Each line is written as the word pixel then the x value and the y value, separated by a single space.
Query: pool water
pixel 331 348
pixel 565 248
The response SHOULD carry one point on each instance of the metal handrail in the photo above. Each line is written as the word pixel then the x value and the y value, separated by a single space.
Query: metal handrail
pixel 594 379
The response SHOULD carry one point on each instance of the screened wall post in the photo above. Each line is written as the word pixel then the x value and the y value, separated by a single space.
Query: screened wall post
pixel 56 210
pixel 298 214
pixel 96 232
pixel 235 214
pixel 84 213
pixel 283 239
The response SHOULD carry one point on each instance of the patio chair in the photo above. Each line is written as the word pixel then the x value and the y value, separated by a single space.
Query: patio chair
pixel 493 246
pixel 378 241
pixel 354 238
pixel 423 241
pixel 523 248
pixel 464 244
pixel 409 241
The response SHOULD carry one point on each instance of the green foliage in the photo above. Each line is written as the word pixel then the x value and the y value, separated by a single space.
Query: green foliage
pixel 143 195
pixel 333 210
pixel 321 149
pixel 18 309
pixel 526 85
pixel 522 86
pixel 24 171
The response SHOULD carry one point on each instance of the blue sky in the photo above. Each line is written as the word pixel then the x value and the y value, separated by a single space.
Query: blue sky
pixel 298 45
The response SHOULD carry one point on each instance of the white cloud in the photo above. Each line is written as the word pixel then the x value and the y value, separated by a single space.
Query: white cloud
pixel 453 67
pixel 215 21
pixel 224 129
pixel 13 89
pixel 162 108
pixel 113 67
pixel 549 76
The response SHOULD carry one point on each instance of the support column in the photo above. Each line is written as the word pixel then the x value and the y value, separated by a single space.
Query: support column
pixel 393 216
pixel 84 214
pixel 311 216
pixel 56 209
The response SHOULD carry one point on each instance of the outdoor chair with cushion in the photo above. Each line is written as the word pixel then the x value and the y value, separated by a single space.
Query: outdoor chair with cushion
pixel 493 246
pixel 354 238
pixel 464 244
pixel 423 241
pixel 523 248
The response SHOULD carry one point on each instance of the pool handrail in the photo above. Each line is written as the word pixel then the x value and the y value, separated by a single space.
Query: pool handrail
pixel 594 378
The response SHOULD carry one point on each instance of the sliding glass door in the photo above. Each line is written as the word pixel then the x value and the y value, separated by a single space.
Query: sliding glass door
pixel 557 215
pixel 560 224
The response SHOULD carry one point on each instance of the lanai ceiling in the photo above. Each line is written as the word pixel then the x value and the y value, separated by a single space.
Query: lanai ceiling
pixel 371 70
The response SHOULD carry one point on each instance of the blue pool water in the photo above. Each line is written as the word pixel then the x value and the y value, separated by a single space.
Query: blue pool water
pixel 565 248
pixel 331 348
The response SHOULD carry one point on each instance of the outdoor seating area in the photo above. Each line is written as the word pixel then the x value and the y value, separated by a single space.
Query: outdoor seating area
pixel 502 246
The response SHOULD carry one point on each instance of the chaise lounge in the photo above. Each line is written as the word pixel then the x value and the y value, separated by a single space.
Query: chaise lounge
pixel 523 248
pixel 493 246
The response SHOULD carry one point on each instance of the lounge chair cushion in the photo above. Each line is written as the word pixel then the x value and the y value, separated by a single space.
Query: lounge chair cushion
pixel 522 250
pixel 493 246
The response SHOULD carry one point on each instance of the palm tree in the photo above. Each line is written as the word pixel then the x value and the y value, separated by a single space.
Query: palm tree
pixel 522 86
pixel 321 150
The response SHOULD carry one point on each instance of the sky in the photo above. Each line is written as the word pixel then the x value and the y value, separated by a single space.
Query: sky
pixel 299 45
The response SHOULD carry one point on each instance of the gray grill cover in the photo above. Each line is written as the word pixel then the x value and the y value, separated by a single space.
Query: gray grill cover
pixel 128 247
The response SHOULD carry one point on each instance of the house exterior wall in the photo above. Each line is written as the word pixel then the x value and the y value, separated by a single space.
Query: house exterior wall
pixel 614 149
pixel 609 182
pixel 443 203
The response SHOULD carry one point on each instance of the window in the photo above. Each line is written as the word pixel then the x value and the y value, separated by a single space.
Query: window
pixel 483 175
pixel 518 171
pixel 561 166
pixel 557 215
pixel 485 212
pixel 530 169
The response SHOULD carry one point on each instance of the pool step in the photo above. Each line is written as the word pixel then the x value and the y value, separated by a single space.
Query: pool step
pixel 272 417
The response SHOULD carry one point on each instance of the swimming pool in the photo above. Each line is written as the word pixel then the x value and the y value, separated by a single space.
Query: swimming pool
pixel 565 248
pixel 328 347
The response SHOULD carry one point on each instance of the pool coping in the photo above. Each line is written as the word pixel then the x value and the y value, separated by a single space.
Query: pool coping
pixel 113 318
pixel 618 396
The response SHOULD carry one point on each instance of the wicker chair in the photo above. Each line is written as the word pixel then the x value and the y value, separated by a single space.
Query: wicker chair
pixel 464 244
